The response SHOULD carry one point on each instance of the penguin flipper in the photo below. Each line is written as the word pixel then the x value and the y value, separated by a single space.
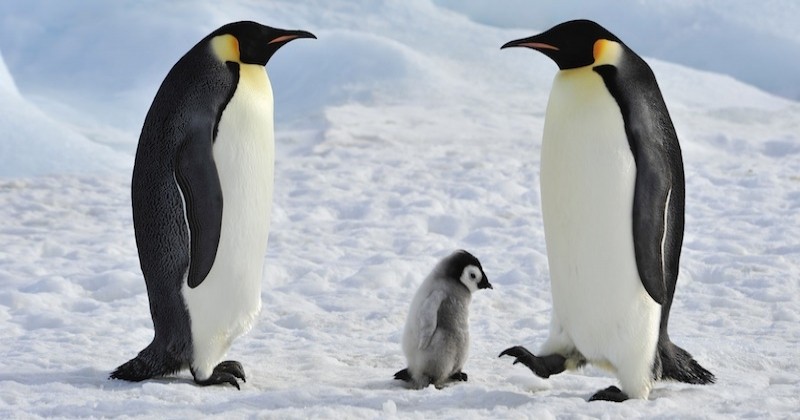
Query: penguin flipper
pixel 429 317
pixel 658 201
pixel 651 227
pixel 198 182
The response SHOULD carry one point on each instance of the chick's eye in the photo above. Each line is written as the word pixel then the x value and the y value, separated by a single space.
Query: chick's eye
pixel 472 276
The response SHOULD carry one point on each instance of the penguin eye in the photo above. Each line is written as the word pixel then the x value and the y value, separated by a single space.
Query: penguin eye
pixel 472 275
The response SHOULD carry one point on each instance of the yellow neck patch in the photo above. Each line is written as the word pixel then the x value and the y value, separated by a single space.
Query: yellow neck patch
pixel 606 52
pixel 226 48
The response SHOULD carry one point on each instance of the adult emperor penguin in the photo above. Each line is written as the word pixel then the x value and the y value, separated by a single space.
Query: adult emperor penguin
pixel 436 335
pixel 202 196
pixel 612 188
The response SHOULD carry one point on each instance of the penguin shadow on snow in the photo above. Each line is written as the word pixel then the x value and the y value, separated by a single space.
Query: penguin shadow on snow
pixel 579 386
pixel 464 398
pixel 468 396
pixel 83 378
pixel 162 380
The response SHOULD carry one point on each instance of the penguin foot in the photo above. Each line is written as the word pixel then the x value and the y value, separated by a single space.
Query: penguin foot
pixel 611 393
pixel 403 375
pixel 542 366
pixel 226 372
pixel 232 367
pixel 459 376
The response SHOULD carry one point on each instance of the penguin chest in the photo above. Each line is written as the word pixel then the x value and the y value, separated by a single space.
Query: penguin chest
pixel 229 299
pixel 588 178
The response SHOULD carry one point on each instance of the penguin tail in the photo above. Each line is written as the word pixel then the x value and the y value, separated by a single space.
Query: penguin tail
pixel 149 363
pixel 677 364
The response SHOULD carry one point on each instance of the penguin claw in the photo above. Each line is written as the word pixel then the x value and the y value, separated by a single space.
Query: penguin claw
pixel 459 376
pixel 403 375
pixel 232 367
pixel 218 378
pixel 226 372
pixel 516 351
pixel 611 393
pixel 522 355
pixel 541 366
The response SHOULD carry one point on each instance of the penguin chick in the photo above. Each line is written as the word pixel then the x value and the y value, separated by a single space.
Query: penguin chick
pixel 436 336
pixel 202 194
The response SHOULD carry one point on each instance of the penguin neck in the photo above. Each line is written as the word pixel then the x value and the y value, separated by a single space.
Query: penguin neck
pixel 575 86
pixel 254 78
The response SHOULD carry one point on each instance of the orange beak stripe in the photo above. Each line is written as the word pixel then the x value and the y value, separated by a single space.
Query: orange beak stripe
pixel 539 46
pixel 283 38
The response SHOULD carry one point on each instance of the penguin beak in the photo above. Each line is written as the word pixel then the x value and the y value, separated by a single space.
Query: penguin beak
pixel 530 42
pixel 484 283
pixel 287 36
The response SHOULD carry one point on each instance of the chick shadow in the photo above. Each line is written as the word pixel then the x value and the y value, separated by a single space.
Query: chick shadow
pixel 431 399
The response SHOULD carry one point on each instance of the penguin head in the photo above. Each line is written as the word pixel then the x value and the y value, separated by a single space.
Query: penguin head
pixel 463 267
pixel 250 42
pixel 574 44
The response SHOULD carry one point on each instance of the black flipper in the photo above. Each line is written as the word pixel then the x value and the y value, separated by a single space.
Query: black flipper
pixel 611 393
pixel 403 375
pixel 543 366
pixel 658 202
pixel 196 174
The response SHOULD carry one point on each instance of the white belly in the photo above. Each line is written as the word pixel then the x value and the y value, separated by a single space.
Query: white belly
pixel 228 301
pixel 587 185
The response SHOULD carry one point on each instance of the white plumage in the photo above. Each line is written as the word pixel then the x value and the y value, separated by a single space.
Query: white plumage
pixel 229 300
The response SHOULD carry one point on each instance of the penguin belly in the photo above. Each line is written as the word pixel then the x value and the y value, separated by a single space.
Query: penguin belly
pixel 226 304
pixel 588 173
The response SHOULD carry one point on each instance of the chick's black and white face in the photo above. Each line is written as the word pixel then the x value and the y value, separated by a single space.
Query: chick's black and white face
pixel 472 277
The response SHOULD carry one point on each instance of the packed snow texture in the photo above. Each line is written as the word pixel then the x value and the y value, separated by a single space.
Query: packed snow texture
pixel 403 133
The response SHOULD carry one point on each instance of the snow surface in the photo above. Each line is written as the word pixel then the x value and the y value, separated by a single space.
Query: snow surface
pixel 403 133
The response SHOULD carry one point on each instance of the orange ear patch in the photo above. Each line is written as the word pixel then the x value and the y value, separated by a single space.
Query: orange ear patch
pixel 606 52
pixel 226 47
pixel 599 46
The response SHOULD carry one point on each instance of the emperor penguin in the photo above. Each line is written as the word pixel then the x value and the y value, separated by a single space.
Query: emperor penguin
pixel 202 197
pixel 436 335
pixel 612 189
